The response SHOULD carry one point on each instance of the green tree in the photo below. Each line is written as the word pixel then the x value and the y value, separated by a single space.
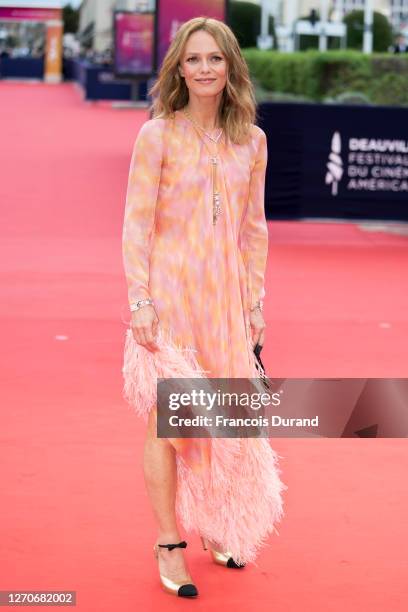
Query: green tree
pixel 70 17
pixel 244 19
pixel 382 31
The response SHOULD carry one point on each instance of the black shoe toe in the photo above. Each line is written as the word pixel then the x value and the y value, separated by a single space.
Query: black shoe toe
pixel 187 590
pixel 231 563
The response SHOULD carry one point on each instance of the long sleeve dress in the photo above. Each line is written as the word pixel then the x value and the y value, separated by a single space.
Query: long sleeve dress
pixel 204 279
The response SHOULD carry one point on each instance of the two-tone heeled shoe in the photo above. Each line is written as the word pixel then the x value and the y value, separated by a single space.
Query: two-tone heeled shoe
pixel 184 588
pixel 222 558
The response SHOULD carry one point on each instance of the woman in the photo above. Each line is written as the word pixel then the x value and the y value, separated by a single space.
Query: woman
pixel 195 247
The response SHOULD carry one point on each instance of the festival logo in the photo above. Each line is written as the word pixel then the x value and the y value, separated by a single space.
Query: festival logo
pixel 335 164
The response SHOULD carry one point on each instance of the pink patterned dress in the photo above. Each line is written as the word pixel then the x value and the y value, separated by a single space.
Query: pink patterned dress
pixel 203 278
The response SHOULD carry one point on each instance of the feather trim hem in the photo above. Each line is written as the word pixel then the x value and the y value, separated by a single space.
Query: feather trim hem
pixel 141 368
pixel 243 502
pixel 237 501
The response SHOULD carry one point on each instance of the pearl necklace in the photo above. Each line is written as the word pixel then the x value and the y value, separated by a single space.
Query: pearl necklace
pixel 214 159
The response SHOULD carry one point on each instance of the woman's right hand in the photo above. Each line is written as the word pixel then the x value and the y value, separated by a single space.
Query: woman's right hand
pixel 144 326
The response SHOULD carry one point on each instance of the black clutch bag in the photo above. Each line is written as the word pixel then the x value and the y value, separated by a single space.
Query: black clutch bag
pixel 260 366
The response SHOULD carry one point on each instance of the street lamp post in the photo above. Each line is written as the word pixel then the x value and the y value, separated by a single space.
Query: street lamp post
pixel 264 40
pixel 291 19
pixel 324 14
pixel 368 27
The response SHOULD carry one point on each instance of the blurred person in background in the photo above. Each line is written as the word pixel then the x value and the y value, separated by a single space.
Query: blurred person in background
pixel 400 45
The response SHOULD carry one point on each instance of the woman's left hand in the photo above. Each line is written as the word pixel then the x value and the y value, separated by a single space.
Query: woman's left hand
pixel 257 327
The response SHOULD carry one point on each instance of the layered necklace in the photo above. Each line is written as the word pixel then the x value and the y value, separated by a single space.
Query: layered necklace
pixel 214 159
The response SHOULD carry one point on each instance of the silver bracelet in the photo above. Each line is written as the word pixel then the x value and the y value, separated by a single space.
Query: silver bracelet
pixel 135 306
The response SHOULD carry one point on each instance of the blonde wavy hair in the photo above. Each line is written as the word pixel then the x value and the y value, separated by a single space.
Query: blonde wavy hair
pixel 237 109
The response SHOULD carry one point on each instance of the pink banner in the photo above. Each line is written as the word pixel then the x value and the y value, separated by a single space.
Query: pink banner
pixel 29 14
pixel 173 13
pixel 134 35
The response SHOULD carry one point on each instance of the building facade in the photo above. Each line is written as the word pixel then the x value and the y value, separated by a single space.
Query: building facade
pixel 96 21
pixel 96 16
pixel 395 10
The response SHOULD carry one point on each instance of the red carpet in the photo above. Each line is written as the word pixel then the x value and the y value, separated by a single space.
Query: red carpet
pixel 75 515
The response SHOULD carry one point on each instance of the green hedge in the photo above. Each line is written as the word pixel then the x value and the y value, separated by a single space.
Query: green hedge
pixel 379 78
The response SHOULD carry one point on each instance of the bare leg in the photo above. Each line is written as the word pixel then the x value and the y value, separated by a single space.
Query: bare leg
pixel 159 463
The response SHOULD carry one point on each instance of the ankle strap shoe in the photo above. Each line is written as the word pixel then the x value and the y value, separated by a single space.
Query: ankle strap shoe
pixel 184 588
